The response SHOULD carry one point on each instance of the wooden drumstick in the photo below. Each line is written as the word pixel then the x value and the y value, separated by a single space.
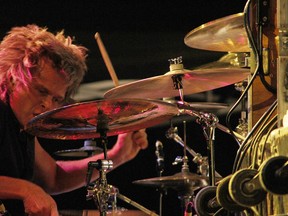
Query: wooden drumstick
pixel 106 59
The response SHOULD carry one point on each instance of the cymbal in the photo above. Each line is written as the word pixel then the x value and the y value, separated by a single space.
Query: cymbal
pixel 226 34
pixel 87 150
pixel 193 81
pixel 90 119
pixel 200 106
pixel 95 90
pixel 178 180
pixel 81 152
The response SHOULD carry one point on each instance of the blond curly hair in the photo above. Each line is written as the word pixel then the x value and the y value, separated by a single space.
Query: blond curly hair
pixel 22 49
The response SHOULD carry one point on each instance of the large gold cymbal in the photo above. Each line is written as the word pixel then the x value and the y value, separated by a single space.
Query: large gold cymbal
pixel 226 34
pixel 90 119
pixel 193 81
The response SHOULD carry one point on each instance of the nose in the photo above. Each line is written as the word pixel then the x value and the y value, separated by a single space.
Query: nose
pixel 47 103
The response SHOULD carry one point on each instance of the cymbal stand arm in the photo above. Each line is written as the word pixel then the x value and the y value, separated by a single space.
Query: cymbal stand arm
pixel 185 166
pixel 209 133
pixel 101 190
pixel 242 127
pixel 208 121
pixel 198 158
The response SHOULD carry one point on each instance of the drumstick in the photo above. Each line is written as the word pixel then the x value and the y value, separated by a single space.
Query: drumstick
pixel 107 59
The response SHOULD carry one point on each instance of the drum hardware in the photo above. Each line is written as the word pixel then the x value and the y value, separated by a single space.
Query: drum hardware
pixel 101 190
pixel 160 169
pixel 201 161
pixel 199 106
pixel 112 194
pixel 208 122
pixel 176 65
pixel 242 127
pixel 185 182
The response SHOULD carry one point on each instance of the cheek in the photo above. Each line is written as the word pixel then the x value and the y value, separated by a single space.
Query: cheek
pixel 23 106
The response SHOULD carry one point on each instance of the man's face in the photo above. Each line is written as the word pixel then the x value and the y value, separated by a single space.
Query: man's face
pixel 46 91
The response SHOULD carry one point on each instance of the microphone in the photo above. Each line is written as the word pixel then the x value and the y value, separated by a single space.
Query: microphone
pixel 160 156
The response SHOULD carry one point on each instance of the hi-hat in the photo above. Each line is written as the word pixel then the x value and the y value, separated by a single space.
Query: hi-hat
pixel 226 34
pixel 193 81
pixel 87 150
pixel 92 119
pixel 177 181
pixel 82 152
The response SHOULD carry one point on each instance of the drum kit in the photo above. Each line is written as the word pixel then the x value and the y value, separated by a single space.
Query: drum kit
pixel 124 109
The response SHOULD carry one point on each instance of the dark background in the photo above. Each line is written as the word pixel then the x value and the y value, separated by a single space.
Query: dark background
pixel 140 37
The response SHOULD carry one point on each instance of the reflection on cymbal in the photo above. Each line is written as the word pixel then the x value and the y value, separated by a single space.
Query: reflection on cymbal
pixel 90 119
pixel 176 181
pixel 193 81
pixel 226 34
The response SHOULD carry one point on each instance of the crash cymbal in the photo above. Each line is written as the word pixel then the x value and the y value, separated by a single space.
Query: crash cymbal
pixel 91 119
pixel 178 180
pixel 193 81
pixel 87 150
pixel 226 34
pixel 232 61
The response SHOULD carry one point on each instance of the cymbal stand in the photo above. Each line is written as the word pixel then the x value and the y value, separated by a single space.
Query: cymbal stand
pixel 176 65
pixel 100 191
pixel 185 197
pixel 242 127
pixel 201 161
pixel 208 121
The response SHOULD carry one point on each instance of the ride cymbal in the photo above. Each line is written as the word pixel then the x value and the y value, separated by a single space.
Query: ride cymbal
pixel 91 119
pixel 192 81
pixel 226 34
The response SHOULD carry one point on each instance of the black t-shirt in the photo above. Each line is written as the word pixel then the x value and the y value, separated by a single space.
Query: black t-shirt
pixel 16 154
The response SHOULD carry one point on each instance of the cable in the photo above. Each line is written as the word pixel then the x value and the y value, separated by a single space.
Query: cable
pixel 245 145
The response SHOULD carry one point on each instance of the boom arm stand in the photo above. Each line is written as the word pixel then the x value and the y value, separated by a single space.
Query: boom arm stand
pixel 208 121
pixel 101 192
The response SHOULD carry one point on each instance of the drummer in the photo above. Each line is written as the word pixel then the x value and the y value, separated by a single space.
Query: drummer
pixel 40 71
